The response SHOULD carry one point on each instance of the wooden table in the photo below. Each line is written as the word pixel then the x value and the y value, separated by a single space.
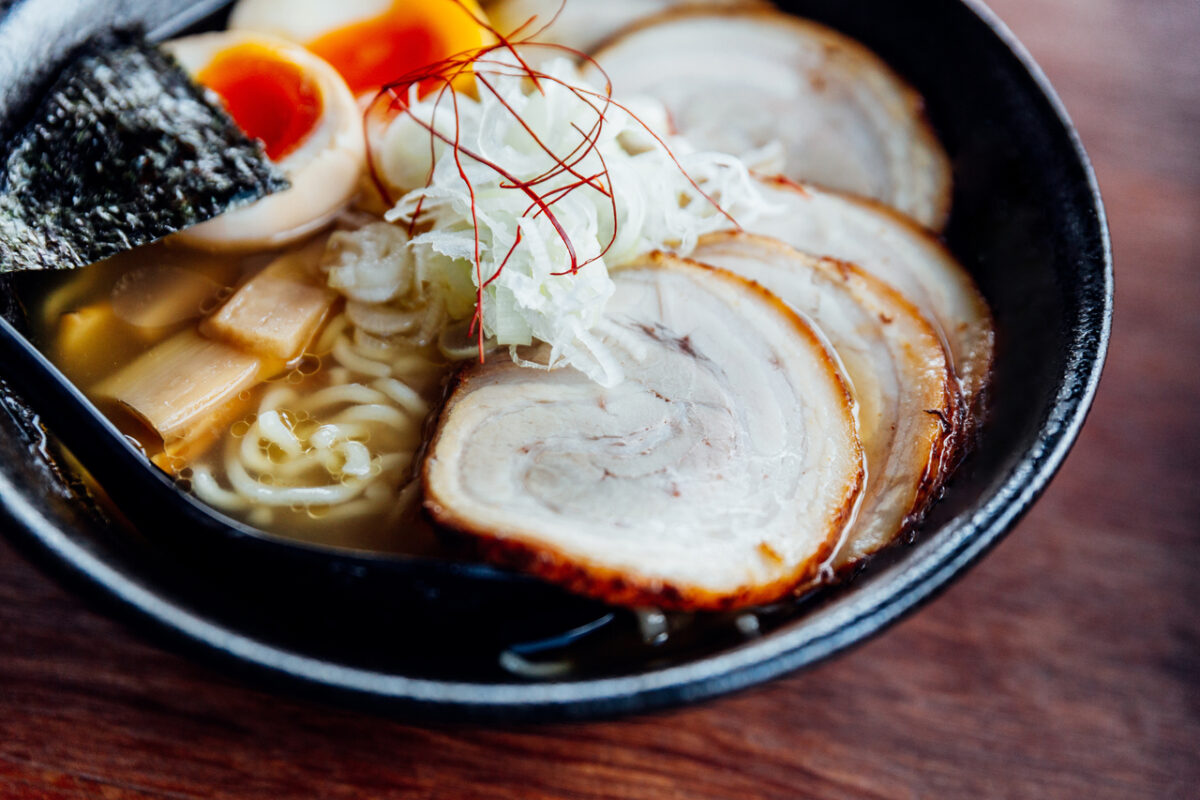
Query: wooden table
pixel 1066 665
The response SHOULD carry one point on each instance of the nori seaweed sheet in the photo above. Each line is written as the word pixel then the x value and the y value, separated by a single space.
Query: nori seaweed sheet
pixel 124 149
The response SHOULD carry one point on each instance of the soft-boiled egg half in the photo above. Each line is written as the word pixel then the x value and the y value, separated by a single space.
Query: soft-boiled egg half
pixel 370 42
pixel 309 124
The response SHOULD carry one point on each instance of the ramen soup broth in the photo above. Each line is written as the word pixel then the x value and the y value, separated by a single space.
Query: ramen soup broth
pixel 318 449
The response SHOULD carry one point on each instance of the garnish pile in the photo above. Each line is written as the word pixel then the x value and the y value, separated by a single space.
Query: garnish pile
pixel 521 186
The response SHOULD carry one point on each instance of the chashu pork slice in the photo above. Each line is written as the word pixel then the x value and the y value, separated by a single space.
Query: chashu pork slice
pixel 720 473
pixel 582 24
pixel 893 249
pixel 738 81
pixel 907 397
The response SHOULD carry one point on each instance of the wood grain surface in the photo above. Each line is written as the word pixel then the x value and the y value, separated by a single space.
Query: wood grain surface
pixel 1066 665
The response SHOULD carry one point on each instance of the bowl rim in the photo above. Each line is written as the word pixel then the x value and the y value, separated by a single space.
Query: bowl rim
pixel 828 632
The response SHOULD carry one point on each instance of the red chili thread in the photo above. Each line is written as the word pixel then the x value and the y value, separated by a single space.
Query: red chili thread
pixel 445 74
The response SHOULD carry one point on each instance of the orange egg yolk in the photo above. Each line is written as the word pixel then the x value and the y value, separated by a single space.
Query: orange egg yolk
pixel 406 37
pixel 270 98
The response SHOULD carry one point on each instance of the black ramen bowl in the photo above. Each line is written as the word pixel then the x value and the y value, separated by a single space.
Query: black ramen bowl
pixel 426 637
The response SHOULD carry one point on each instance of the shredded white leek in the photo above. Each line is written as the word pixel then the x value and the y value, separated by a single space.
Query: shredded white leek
pixel 534 296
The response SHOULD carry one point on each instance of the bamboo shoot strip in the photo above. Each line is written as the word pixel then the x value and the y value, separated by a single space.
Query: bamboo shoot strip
pixel 276 313
pixel 179 384
pixel 158 295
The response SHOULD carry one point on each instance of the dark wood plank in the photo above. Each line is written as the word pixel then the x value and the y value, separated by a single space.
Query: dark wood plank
pixel 1066 665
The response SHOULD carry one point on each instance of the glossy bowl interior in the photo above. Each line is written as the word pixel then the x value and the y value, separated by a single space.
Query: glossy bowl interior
pixel 423 637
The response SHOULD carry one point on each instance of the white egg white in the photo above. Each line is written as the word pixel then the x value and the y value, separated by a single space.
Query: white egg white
pixel 324 170
pixel 302 20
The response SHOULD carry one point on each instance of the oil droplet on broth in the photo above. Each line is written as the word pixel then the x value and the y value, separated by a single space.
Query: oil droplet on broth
pixel 305 428
pixel 276 454
pixel 309 364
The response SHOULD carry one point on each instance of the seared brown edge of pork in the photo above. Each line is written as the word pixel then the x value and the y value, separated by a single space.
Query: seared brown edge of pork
pixel 916 100
pixel 976 413
pixel 613 586
pixel 948 446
